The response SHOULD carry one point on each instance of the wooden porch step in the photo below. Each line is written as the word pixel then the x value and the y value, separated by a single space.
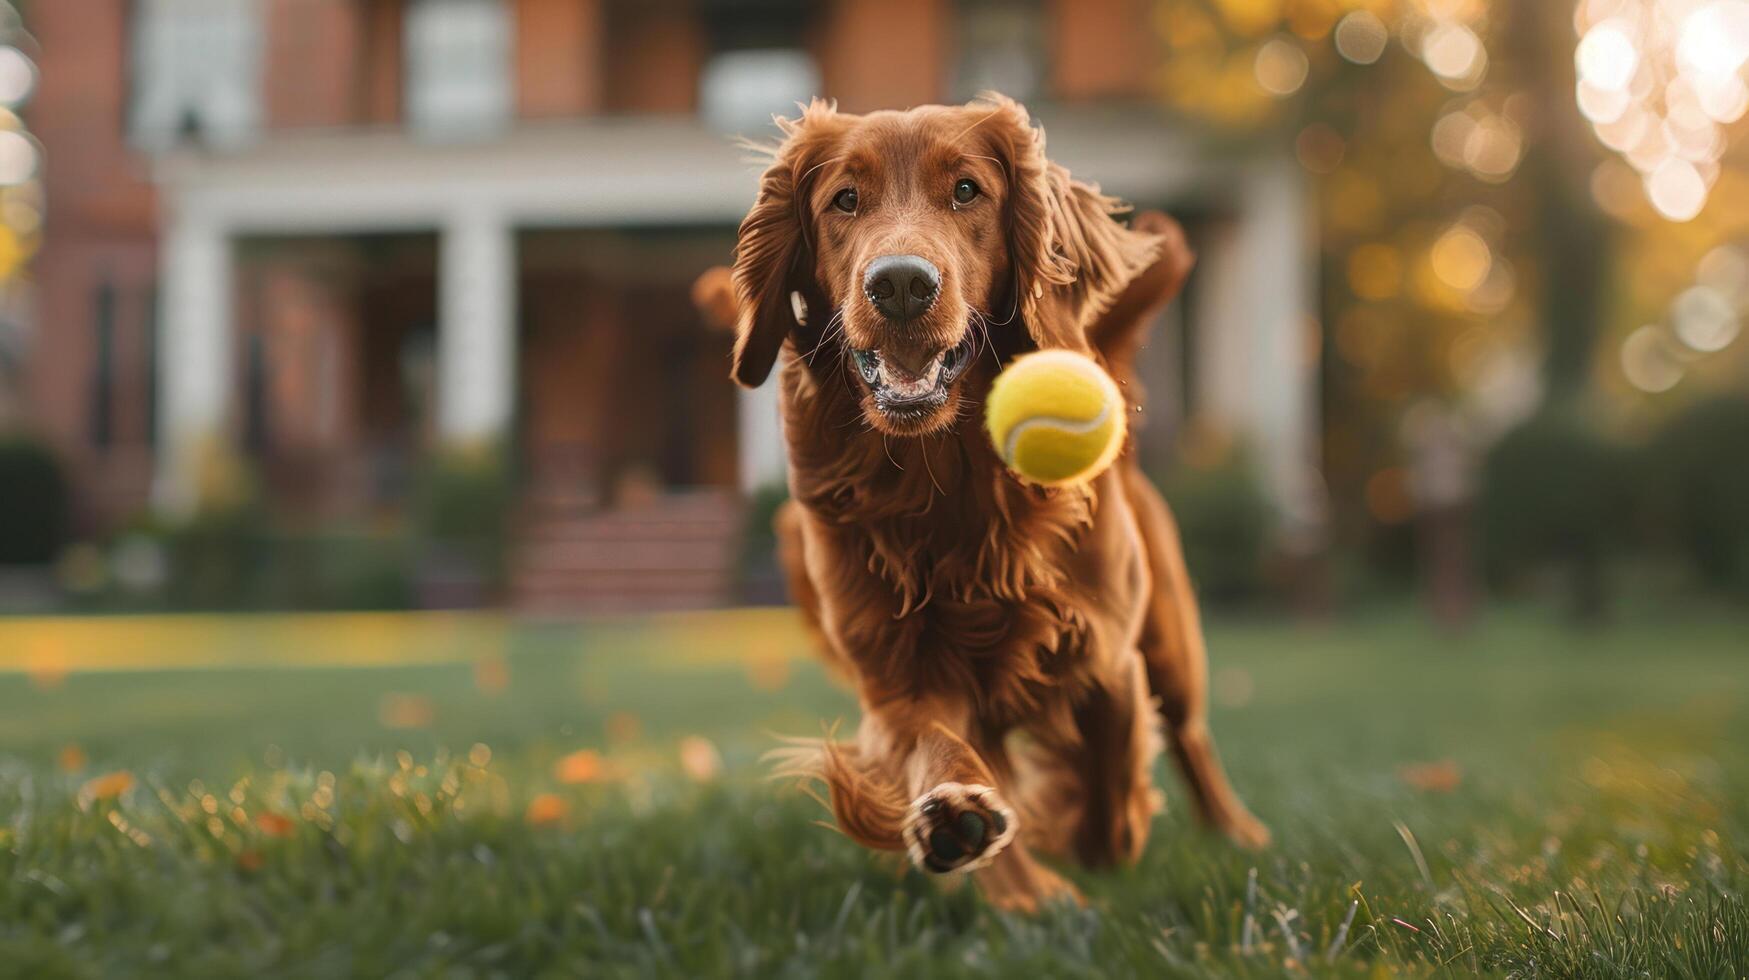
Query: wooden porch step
pixel 673 553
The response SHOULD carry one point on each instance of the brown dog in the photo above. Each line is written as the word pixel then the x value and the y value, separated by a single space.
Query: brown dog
pixel 1008 644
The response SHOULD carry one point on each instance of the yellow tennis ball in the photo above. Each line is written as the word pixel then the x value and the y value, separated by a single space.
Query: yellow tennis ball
pixel 1056 417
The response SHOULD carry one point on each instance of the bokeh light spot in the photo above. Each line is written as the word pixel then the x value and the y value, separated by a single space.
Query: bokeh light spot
pixel 1676 189
pixel 1361 37
pixel 1647 361
pixel 1280 67
pixel 1606 56
pixel 1461 258
pixel 1704 320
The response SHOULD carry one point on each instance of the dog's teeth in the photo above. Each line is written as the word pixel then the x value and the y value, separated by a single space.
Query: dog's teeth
pixel 900 379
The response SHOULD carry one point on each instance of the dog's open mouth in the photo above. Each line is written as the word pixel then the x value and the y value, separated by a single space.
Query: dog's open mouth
pixel 914 390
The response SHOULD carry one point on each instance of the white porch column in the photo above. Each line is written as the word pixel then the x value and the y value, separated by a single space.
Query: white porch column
pixel 760 428
pixel 1258 357
pixel 476 337
pixel 194 355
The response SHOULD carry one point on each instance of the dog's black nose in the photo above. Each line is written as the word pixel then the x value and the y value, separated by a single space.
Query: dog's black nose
pixel 901 286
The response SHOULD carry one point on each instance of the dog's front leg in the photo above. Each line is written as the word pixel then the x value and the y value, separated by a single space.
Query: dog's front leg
pixel 956 819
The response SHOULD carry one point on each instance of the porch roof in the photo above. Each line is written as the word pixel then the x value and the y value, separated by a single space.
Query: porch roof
pixel 578 173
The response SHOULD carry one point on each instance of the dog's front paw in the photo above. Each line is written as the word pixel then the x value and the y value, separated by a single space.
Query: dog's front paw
pixel 957 827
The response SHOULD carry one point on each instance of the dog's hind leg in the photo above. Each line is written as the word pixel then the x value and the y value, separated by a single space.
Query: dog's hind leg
pixel 1016 881
pixel 1118 742
pixel 1177 667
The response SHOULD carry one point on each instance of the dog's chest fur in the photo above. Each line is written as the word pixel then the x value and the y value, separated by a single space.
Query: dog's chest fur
pixel 949 573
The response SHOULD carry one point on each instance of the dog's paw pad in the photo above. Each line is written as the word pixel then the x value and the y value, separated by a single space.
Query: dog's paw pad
pixel 956 827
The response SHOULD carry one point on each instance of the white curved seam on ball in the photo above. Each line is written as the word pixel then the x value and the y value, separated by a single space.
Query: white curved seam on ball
pixel 1012 443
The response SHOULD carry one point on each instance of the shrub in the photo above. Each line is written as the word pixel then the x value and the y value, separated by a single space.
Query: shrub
pixel 219 556
pixel 1698 468
pixel 760 577
pixel 1553 497
pixel 34 511
pixel 462 514
pixel 1224 521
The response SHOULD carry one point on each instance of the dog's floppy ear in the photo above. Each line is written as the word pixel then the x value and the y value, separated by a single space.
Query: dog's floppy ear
pixel 1070 256
pixel 773 254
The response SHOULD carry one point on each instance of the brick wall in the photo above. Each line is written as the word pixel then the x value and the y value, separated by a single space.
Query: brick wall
pixel 885 54
pixel 559 49
pixel 314 60
pixel 1101 48
pixel 99 233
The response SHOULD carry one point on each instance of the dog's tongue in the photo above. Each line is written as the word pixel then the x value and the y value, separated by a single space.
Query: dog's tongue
pixel 905 379
pixel 916 365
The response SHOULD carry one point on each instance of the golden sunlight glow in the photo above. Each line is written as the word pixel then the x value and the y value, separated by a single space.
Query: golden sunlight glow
pixel 1657 80
pixel 1375 271
pixel 1714 39
pixel 1250 17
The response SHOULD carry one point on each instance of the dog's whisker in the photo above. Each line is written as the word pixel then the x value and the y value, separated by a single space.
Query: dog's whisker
pixel 987 341
pixel 927 468
pixel 834 327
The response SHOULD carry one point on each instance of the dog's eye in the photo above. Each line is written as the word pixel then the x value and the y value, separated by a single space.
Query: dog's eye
pixel 846 200
pixel 964 192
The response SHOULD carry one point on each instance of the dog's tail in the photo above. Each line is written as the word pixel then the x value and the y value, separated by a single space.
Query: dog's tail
pixel 713 293
pixel 1119 332
pixel 868 808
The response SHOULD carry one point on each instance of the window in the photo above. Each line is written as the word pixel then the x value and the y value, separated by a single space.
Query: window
pixel 196 72
pixel 741 90
pixel 458 67
pixel 759 62
pixel 1001 48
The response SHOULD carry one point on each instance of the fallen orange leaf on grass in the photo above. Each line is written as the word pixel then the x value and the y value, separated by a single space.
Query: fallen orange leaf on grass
pixel 491 675
pixel 581 766
pixel 406 711
pixel 72 758
pixel 547 808
pixel 273 824
pixel 623 726
pixel 1443 776
pixel 106 787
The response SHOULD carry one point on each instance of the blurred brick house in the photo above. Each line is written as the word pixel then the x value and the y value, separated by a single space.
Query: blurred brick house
pixel 331 234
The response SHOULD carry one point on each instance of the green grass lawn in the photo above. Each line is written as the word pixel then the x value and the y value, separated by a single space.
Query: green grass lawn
pixel 1524 800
